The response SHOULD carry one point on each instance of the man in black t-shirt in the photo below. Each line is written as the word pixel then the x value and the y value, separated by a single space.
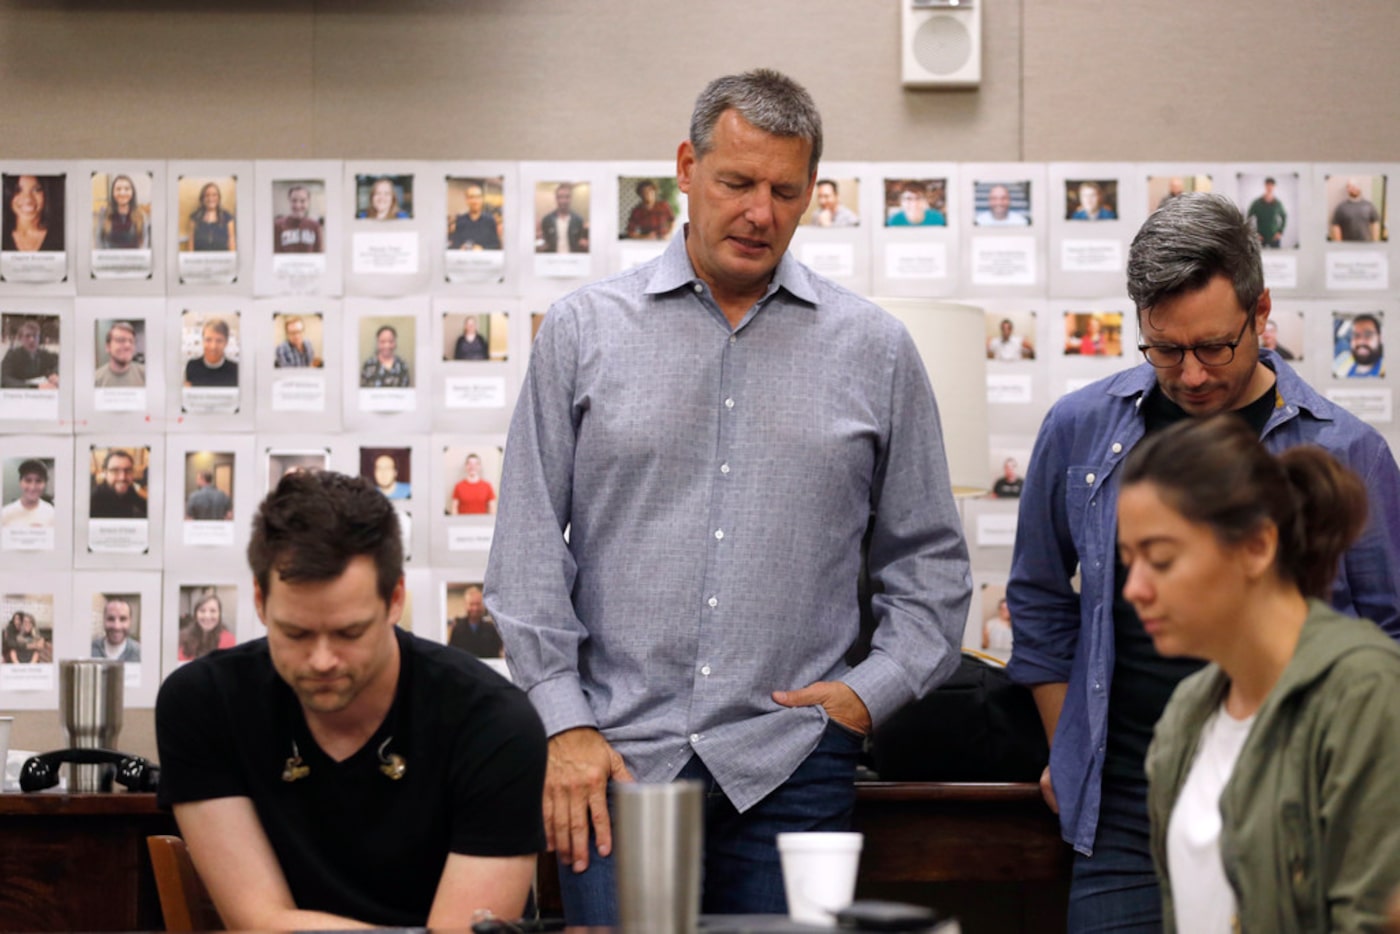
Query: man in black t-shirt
pixel 340 770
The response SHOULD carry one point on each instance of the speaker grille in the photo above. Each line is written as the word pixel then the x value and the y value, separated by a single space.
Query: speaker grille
pixel 942 45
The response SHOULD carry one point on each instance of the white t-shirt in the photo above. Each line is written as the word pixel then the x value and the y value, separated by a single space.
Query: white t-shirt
pixel 16 516
pixel 1009 349
pixel 1203 899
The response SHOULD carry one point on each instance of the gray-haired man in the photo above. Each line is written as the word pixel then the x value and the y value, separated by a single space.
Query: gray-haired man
pixel 717 455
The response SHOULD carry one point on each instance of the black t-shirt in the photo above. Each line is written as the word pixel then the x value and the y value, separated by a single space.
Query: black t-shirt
pixel 1143 681
pixel 351 840
pixel 199 373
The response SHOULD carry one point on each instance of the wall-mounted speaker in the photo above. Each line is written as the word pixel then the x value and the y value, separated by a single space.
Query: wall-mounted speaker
pixel 942 43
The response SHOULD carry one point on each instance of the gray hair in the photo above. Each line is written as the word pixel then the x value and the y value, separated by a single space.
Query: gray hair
pixel 770 101
pixel 1187 242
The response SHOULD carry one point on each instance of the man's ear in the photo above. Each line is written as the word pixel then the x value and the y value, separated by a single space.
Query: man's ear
pixel 397 599
pixel 259 603
pixel 685 165
pixel 1261 311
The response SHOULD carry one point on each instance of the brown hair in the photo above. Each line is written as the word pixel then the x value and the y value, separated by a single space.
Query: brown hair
pixel 1215 472
pixel 310 527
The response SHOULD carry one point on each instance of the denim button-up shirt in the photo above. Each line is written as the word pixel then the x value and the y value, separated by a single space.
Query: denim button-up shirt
pixel 1069 518
pixel 715 484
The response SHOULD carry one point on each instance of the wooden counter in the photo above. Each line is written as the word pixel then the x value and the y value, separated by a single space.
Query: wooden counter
pixel 78 862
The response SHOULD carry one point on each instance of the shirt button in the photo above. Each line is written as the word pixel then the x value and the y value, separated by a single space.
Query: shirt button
pixel 713 602
pixel 719 534
pixel 1089 478
pixel 733 339
pixel 698 288
pixel 729 404
pixel 1117 448
pixel 724 468
pixel 695 737
pixel 705 670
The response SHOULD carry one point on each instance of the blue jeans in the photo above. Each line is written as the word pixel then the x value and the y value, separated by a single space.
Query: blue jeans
pixel 1116 888
pixel 742 874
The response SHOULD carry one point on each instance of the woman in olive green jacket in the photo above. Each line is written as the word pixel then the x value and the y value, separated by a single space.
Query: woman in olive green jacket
pixel 1275 771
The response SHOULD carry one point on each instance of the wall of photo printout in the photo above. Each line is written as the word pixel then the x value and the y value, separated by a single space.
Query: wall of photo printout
pixel 177 335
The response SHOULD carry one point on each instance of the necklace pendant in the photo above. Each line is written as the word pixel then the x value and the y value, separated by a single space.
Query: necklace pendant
pixel 295 769
pixel 393 766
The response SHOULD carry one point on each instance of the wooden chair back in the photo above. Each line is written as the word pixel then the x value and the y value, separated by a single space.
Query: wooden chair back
pixel 184 902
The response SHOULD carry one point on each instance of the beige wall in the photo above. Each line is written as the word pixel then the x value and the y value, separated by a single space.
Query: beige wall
pixel 614 79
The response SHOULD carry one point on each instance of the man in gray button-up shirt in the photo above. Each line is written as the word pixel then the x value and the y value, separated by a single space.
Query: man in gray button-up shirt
pixel 716 430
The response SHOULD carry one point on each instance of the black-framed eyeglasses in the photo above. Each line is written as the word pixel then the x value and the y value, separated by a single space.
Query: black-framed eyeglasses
pixel 1212 353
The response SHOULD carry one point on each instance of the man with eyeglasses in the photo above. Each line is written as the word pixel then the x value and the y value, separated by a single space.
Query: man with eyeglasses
pixel 1195 277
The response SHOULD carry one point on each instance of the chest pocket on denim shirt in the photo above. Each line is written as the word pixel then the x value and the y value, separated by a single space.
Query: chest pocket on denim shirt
pixel 1079 486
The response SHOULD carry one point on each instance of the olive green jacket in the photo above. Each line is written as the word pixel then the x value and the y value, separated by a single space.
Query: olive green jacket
pixel 1310 833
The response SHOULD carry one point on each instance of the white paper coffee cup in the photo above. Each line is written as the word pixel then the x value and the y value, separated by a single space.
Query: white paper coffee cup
pixel 819 874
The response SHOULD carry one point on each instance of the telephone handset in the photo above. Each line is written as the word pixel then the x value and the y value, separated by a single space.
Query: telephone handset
pixel 135 773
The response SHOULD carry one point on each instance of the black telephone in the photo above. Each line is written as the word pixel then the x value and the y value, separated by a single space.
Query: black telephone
pixel 40 772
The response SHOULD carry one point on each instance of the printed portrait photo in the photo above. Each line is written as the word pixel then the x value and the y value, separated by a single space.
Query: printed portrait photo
pixel 473 476
pixel 299 216
pixel 121 210
pixel 475 213
pixel 474 336
pixel 835 203
pixel 209 486
pixel 119 482
pixel 990 631
pixel 384 197
pixel 561 217
pixel 120 350
pixel 210 347
pixel 31 351
pixel 27 492
pixel 1358 347
pixel 207 620
pixel 299 340
pixel 208 211
pixel 469 624
pixel 1091 199
pixel 647 208
pixel 1163 188
pixel 1356 208
pixel 115 631
pixel 1093 334
pixel 27 638
pixel 1270 203
pixel 1010 336
pixel 1001 203
pixel 1007 467
pixel 386 348
pixel 1283 334
pixel 33 214
pixel 390 469
pixel 916 202
pixel 282 462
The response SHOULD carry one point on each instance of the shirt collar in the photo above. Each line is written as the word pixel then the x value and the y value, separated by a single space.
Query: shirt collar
pixel 1290 388
pixel 674 271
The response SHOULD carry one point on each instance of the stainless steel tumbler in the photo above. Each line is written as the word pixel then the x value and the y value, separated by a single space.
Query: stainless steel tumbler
pixel 658 839
pixel 90 694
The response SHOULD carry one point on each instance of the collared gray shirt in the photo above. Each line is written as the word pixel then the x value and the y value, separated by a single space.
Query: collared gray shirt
pixel 681 513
